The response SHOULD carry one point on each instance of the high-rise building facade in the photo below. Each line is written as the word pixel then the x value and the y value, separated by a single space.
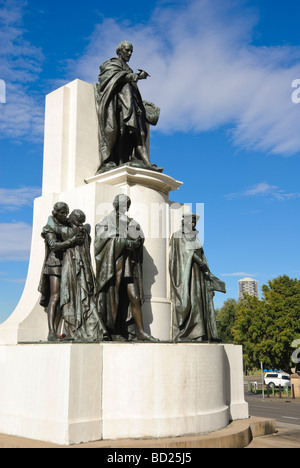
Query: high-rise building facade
pixel 248 286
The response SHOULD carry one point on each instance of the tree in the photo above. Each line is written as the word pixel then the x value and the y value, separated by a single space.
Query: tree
pixel 267 328
pixel 226 320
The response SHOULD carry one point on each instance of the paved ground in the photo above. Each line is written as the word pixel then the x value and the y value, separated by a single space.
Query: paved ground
pixel 286 411
pixel 288 436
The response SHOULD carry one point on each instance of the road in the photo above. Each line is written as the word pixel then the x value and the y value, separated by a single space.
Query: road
pixel 287 414
pixel 283 410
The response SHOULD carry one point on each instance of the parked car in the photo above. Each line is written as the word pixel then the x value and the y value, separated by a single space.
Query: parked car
pixel 276 379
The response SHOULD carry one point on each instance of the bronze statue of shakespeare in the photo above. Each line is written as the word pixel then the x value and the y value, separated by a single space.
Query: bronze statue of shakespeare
pixel 192 286
pixel 122 114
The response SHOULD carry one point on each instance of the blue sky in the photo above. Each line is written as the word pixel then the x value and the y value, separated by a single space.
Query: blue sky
pixel 222 74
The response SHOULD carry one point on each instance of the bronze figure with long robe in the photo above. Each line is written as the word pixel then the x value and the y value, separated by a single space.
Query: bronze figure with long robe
pixel 192 290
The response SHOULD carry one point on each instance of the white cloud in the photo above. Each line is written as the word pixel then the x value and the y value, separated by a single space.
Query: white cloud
pixel 3 277
pixel 206 73
pixel 22 116
pixel 240 274
pixel 15 199
pixel 264 189
pixel 20 67
pixel 15 240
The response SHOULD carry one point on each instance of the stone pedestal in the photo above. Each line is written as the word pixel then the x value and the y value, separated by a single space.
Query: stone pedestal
pixel 72 393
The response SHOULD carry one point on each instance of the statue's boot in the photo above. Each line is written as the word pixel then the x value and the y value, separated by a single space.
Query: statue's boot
pixel 143 153
pixel 157 169
pixel 52 336
pixel 143 336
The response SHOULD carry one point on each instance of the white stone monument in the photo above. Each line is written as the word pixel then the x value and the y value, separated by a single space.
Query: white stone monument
pixel 67 393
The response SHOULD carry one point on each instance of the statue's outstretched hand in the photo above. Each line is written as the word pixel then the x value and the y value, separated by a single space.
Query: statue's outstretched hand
pixel 143 75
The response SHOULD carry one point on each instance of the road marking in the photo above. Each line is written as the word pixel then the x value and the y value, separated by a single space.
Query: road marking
pixel 288 417
pixel 262 406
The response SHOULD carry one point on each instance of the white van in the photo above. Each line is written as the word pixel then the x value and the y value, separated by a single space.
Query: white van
pixel 276 379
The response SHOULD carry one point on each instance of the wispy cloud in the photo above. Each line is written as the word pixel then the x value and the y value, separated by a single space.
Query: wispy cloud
pixel 240 274
pixel 15 240
pixel 4 277
pixel 20 67
pixel 15 199
pixel 206 73
pixel 266 190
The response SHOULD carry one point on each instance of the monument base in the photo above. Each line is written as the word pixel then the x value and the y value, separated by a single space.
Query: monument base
pixel 72 393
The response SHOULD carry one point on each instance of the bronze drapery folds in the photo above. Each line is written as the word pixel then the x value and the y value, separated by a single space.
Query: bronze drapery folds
pixel 123 116
pixel 67 284
pixel 193 286
pixel 119 273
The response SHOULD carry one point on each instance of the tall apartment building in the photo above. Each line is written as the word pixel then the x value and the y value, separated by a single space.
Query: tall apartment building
pixel 249 286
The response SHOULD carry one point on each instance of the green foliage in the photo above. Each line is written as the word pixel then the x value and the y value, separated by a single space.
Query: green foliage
pixel 226 320
pixel 266 328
